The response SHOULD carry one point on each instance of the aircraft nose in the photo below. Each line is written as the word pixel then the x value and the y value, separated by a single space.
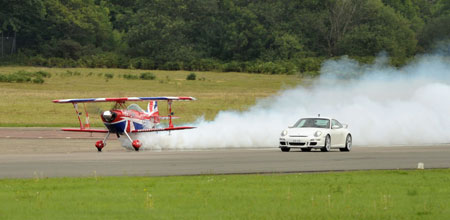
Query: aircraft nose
pixel 108 116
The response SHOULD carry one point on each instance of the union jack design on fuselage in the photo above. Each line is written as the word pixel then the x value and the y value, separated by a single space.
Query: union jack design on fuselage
pixel 132 119
pixel 124 120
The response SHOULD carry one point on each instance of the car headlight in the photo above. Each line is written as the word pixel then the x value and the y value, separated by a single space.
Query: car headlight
pixel 283 133
pixel 317 134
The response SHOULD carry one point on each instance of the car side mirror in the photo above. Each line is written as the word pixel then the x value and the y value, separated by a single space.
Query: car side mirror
pixel 335 127
pixel 345 126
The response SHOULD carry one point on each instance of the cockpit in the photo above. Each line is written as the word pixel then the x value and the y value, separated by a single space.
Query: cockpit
pixel 135 107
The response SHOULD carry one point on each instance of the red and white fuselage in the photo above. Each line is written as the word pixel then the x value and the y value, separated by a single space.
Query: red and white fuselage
pixel 131 119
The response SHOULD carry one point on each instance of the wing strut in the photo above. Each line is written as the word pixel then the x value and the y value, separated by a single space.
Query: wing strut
pixel 82 126
pixel 170 114
pixel 87 125
pixel 75 105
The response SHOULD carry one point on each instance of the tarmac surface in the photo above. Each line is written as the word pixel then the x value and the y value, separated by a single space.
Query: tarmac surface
pixel 44 152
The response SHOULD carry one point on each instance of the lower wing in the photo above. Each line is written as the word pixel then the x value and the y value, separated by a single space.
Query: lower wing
pixel 134 131
pixel 85 130
pixel 162 129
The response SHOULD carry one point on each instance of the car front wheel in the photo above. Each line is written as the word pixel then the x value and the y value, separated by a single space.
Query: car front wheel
pixel 327 146
pixel 285 149
pixel 348 143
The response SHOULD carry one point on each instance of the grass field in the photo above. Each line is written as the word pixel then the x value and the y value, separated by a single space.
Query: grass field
pixel 415 194
pixel 28 104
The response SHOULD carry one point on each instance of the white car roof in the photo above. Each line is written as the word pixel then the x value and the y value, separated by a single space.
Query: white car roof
pixel 318 117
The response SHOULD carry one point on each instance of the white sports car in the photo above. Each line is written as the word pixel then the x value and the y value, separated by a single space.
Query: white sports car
pixel 319 133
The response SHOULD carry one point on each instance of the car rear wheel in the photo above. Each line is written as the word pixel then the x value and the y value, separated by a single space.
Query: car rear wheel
pixel 306 149
pixel 348 143
pixel 327 146
pixel 285 149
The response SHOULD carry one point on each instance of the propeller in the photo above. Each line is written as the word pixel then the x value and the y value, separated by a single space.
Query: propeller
pixel 99 108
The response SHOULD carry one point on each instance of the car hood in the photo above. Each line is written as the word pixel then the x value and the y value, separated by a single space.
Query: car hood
pixel 304 131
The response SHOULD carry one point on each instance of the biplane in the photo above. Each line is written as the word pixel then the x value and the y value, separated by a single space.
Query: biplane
pixel 123 119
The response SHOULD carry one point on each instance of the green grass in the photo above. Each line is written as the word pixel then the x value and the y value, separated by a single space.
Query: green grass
pixel 414 194
pixel 28 104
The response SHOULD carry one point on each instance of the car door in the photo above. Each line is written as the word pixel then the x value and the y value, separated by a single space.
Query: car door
pixel 337 134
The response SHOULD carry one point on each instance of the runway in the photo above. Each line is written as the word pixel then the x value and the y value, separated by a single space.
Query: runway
pixel 57 154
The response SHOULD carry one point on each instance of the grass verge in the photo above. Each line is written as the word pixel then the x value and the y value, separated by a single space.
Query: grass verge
pixel 26 104
pixel 414 194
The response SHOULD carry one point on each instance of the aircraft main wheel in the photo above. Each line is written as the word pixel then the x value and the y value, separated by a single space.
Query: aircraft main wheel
pixel 285 149
pixel 100 145
pixel 136 145
pixel 348 143
pixel 327 146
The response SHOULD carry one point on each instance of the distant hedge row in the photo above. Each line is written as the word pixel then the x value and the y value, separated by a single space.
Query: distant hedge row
pixel 304 66
pixel 24 77
pixel 112 60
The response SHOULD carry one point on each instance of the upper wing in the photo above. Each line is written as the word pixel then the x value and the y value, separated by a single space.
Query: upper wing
pixel 123 99
pixel 162 129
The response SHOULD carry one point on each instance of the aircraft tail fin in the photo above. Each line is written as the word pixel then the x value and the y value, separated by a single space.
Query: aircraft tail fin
pixel 152 108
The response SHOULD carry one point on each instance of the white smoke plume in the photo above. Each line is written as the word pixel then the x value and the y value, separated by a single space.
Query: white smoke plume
pixel 382 105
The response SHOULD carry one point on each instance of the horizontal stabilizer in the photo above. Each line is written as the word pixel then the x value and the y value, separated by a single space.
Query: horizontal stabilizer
pixel 85 130
pixel 162 129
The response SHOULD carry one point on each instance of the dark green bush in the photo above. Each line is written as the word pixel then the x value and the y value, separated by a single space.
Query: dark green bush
pixel 399 61
pixel 309 64
pixel 37 61
pixel 203 65
pixel 23 76
pixel 135 63
pixel 141 63
pixel 147 64
pixel 43 74
pixel 70 73
pixel 130 76
pixel 365 60
pixel 191 76
pixel 289 68
pixel 84 61
pixel 233 66
pixel 263 67
pixel 38 80
pixel 104 60
pixel 109 76
pixel 171 66
pixel 56 62
pixel 147 76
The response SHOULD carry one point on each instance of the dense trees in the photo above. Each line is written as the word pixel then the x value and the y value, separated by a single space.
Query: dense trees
pixel 437 26
pixel 240 34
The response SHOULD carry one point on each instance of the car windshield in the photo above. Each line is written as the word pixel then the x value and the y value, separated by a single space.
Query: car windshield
pixel 312 123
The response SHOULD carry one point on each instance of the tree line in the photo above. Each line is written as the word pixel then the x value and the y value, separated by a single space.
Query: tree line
pixel 281 36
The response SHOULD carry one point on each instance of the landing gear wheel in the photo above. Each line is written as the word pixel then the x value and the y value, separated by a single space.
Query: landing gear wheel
pixel 327 146
pixel 306 149
pixel 348 144
pixel 100 145
pixel 136 145
pixel 285 149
